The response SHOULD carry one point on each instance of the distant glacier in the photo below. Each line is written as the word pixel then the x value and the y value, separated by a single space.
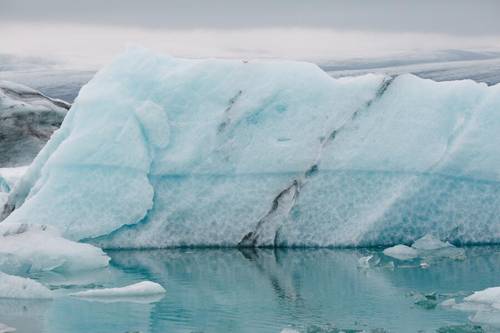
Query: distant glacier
pixel 162 152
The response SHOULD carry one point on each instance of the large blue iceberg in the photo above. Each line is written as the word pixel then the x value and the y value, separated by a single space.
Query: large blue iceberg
pixel 160 152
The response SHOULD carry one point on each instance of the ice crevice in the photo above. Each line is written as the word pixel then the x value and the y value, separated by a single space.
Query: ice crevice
pixel 284 202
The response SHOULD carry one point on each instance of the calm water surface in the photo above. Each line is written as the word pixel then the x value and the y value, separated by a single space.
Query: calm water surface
pixel 262 291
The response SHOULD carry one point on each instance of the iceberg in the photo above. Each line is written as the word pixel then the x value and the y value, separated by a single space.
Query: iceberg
pixel 27 249
pixel 19 287
pixel 27 120
pixel 140 289
pixel 163 152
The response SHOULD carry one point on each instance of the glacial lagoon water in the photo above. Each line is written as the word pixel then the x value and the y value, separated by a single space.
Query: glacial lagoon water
pixel 230 290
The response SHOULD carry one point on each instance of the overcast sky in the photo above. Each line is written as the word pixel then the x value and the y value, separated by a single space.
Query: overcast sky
pixel 92 31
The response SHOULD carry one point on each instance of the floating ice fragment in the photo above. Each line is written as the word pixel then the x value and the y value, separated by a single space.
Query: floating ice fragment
pixel 429 243
pixel 424 265
pixel 364 262
pixel 485 305
pixel 431 248
pixel 18 287
pixel 27 248
pixel 6 329
pixel 401 252
pixel 489 296
pixel 141 289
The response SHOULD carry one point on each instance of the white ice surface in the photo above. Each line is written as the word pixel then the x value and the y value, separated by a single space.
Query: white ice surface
pixel 401 252
pixel 19 287
pixel 158 152
pixel 489 296
pixel 429 243
pixel 140 289
pixel 26 249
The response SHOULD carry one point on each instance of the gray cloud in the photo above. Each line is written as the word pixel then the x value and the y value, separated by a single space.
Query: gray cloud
pixel 454 17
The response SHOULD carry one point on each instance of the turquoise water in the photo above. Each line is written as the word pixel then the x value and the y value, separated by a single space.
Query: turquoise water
pixel 212 290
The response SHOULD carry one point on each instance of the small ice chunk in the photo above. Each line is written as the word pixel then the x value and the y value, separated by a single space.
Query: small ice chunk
pixel 401 252
pixel 18 287
pixel 368 261
pixel 424 265
pixel 28 248
pixel 141 289
pixel 489 296
pixel 430 243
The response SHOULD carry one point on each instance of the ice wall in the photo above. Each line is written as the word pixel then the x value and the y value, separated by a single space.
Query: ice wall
pixel 159 152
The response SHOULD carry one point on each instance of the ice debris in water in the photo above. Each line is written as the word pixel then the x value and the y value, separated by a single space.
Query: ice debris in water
pixel 484 304
pixel 19 287
pixel 428 248
pixel 6 328
pixel 368 261
pixel 401 252
pixel 201 151
pixel 140 289
pixel 289 330
pixel 28 248
pixel 489 296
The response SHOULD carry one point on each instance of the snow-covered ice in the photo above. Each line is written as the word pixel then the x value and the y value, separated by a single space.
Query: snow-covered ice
pixel 19 287
pixel 26 249
pixel 489 296
pixel 140 289
pixel 158 152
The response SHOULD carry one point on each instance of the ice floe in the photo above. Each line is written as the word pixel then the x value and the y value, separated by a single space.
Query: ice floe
pixel 19 287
